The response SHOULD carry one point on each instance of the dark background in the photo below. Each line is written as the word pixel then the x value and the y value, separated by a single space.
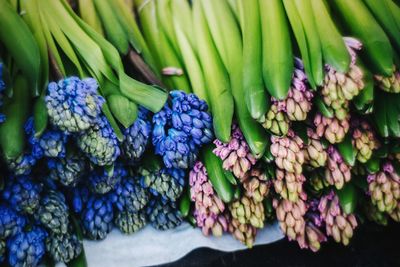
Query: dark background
pixel 372 245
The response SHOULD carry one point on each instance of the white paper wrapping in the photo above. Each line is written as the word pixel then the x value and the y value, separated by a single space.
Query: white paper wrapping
pixel 152 247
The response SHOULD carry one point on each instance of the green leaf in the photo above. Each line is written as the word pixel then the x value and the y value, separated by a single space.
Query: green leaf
pixel 40 116
pixel 184 203
pixel 109 170
pixel 20 43
pixel 382 151
pixel 123 110
pixel 16 110
pixel 373 165
pixel 347 150
pixel 151 97
pixel 325 111
pixel 348 198
pixel 113 123
pixel 392 116
pixel 231 178
pixel 380 115
pixel 62 41
pixel 366 97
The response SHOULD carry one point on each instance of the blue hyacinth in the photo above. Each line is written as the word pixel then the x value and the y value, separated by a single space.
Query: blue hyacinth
pixel 79 198
pixel 50 144
pixel 27 248
pixel 163 214
pixel 97 217
pixel 166 183
pixel 53 212
pixel 136 138
pixel 69 170
pixel 129 196
pixel 10 222
pixel 101 181
pixel 2 250
pixel 100 143
pixel 2 88
pixel 73 105
pixel 22 165
pixel 22 193
pixel 180 129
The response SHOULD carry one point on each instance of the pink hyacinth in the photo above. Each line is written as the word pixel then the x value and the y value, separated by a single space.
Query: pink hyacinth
pixel 338 224
pixel 298 102
pixel 209 208
pixel 337 172
pixel 236 155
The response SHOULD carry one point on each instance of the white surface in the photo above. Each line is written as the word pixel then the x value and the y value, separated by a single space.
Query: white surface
pixel 151 247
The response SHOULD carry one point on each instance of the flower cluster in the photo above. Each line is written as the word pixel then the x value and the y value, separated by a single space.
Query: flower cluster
pixel 180 129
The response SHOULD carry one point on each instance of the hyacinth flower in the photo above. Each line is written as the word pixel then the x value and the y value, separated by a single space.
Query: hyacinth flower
pixel 209 208
pixel 129 196
pixel 288 152
pixel 73 104
pixel 130 222
pixel 333 129
pixel 276 120
pixel 53 212
pixel 256 184
pixel 290 216
pixel 236 155
pixel 99 142
pixel 315 154
pixel 364 140
pixel 10 222
pixel 52 143
pixel 180 129
pixel 63 248
pixel 97 217
pixel 245 233
pixel 247 211
pixel 27 248
pixel 68 170
pixel 288 184
pixel 313 234
pixel 389 84
pixel 338 224
pixel 136 138
pixel 384 188
pixel 102 181
pixel 22 193
pixel 339 88
pixel 167 183
pixel 163 214
pixel 298 102
pixel 294 107
pixel 22 165
pixel 337 171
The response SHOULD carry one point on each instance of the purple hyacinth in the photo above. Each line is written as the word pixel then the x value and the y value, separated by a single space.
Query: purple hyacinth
pixel 51 143
pixel 209 208
pixel 236 154
pixel 73 105
pixel 180 129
